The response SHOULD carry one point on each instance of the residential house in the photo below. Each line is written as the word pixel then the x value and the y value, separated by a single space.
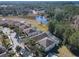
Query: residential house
pixel 36 12
pixel 2 51
pixel 31 32
pixel 16 23
pixel 1 22
pixel 44 40
pixel 47 43
pixel 39 36
pixel 75 22
pixel 10 22
pixel 22 27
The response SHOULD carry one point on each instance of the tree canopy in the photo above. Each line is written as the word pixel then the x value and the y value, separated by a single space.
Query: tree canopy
pixel 74 39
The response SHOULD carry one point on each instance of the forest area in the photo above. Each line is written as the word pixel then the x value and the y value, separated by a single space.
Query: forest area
pixel 60 25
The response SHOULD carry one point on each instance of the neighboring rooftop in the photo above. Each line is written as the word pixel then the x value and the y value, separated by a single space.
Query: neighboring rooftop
pixel 45 42
pixel 2 49
pixel 40 36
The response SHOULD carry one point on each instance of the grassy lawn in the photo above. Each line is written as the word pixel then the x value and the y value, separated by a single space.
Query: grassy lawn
pixel 33 22
pixel 65 52
pixel 41 27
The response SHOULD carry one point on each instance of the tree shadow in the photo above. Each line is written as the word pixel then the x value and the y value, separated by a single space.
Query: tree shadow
pixel 53 50
pixel 74 50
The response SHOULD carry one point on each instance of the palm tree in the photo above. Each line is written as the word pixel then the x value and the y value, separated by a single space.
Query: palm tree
pixel 19 31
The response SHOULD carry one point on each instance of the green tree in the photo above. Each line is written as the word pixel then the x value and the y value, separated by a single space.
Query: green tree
pixel 51 26
pixel 18 48
pixel 19 31
pixel 11 53
pixel 34 47
pixel 59 30
pixel 68 32
pixel 74 39
pixel 5 41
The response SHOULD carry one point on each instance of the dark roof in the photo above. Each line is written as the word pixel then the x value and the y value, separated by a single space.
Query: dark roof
pixel 49 42
pixel 32 30
pixel 29 30
pixel 26 26
pixel 23 27
pixel 45 42
pixel 2 49
pixel 22 24
pixel 39 37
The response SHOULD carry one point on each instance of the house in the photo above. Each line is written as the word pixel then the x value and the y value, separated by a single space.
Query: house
pixel 27 29
pixel 25 52
pixel 75 22
pixel 30 32
pixel 22 27
pixel 39 36
pixel 22 22
pixel 2 51
pixel 38 11
pixel 47 43
pixel 41 11
pixel 10 22
pixel 34 12
pixel 16 23
pixel 44 40
pixel 4 6
pixel 4 22
pixel 1 22
pixel 52 55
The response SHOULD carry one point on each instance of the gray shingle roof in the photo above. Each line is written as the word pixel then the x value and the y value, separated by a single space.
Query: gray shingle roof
pixel 39 37
pixel 46 42
pixel 2 49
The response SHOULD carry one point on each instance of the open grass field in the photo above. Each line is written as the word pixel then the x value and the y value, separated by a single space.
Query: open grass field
pixel 41 27
pixel 33 22
pixel 65 52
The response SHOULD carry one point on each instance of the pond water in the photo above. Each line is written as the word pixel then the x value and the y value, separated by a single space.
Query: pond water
pixel 41 19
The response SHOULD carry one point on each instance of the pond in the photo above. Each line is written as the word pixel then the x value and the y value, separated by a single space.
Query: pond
pixel 41 19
